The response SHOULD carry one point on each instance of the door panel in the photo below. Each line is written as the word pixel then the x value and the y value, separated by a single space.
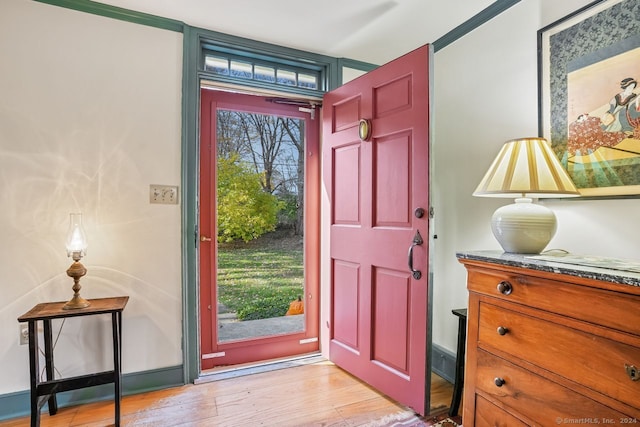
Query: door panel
pixel 346 209
pixel 392 97
pixel 346 277
pixel 379 308
pixel 390 328
pixel 392 208
pixel 346 114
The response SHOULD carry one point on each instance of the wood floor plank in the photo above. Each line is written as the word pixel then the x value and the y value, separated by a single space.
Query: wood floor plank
pixel 318 394
pixel 362 412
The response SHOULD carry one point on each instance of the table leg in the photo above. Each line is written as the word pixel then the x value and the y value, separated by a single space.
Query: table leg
pixel 459 380
pixel 116 320
pixel 34 368
pixel 49 367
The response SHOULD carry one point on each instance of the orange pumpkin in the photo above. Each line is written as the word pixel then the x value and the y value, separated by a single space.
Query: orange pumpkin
pixel 296 307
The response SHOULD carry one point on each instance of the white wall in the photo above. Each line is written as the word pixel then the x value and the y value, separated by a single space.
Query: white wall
pixel 485 94
pixel 89 117
pixel 349 74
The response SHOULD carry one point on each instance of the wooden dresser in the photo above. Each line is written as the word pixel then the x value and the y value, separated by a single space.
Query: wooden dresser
pixel 551 341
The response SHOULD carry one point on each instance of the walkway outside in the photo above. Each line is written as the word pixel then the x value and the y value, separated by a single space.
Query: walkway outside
pixel 230 328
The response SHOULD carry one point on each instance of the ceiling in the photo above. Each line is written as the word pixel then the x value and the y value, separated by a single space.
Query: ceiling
pixel 374 31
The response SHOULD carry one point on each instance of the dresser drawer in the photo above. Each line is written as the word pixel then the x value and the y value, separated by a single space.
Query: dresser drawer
pixel 533 396
pixel 571 300
pixel 488 414
pixel 590 360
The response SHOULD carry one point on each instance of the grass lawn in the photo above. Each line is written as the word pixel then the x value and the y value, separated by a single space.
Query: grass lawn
pixel 258 280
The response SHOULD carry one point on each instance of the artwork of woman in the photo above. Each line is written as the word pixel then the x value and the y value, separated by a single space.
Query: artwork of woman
pixel 621 121
pixel 623 114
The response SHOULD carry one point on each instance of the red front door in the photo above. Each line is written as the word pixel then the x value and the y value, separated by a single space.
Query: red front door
pixel 379 193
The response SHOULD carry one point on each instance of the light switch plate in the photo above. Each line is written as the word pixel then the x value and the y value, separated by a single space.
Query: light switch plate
pixel 163 194
pixel 24 334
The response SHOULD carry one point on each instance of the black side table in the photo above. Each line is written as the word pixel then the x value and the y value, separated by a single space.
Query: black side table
pixel 459 380
pixel 43 391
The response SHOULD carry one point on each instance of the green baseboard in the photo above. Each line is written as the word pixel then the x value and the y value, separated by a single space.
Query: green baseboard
pixel 443 362
pixel 14 405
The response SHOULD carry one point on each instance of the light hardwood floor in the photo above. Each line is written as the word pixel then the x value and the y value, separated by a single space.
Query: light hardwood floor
pixel 318 394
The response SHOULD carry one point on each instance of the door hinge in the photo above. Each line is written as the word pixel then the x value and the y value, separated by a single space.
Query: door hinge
pixel 432 212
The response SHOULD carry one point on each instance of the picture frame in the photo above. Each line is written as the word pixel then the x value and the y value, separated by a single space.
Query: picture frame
pixel 589 96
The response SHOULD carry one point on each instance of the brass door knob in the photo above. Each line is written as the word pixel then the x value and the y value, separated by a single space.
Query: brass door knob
pixel 205 239
pixel 364 129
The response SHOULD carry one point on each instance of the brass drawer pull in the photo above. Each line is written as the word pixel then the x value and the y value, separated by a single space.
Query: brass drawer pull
pixel 633 372
pixel 499 382
pixel 502 330
pixel 505 287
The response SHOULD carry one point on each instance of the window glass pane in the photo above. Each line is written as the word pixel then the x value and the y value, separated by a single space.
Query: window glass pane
pixel 243 70
pixel 216 64
pixel 260 215
pixel 307 81
pixel 265 74
pixel 287 78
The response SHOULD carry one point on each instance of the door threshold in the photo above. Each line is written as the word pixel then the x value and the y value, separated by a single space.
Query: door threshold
pixel 227 372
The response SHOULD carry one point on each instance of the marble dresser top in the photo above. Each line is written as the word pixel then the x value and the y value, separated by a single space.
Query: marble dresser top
pixel 614 270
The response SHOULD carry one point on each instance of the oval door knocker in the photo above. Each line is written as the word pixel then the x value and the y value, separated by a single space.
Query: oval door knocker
pixel 364 129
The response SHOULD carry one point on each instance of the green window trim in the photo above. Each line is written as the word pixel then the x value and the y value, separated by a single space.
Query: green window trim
pixel 122 14
pixel 240 49
pixel 197 42
pixel 472 23
pixel 354 65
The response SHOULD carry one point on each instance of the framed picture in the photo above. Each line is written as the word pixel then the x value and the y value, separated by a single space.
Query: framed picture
pixel 589 96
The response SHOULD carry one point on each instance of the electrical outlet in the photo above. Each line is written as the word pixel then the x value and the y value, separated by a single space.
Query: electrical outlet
pixel 163 194
pixel 24 334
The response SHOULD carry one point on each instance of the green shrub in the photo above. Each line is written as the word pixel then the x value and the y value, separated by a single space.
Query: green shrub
pixel 245 210
pixel 267 306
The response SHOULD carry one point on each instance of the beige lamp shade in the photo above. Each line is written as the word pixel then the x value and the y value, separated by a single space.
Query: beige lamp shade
pixel 529 168
pixel 525 168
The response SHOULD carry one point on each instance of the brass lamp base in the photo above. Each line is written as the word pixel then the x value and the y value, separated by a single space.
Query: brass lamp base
pixel 76 271
pixel 76 302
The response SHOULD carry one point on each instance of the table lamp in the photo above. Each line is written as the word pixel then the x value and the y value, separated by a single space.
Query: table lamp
pixel 524 169
pixel 76 248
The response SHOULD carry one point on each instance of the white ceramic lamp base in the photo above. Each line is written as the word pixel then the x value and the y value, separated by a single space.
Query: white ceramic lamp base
pixel 523 227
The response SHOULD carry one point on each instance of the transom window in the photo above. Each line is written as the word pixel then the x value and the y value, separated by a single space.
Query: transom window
pixel 247 67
